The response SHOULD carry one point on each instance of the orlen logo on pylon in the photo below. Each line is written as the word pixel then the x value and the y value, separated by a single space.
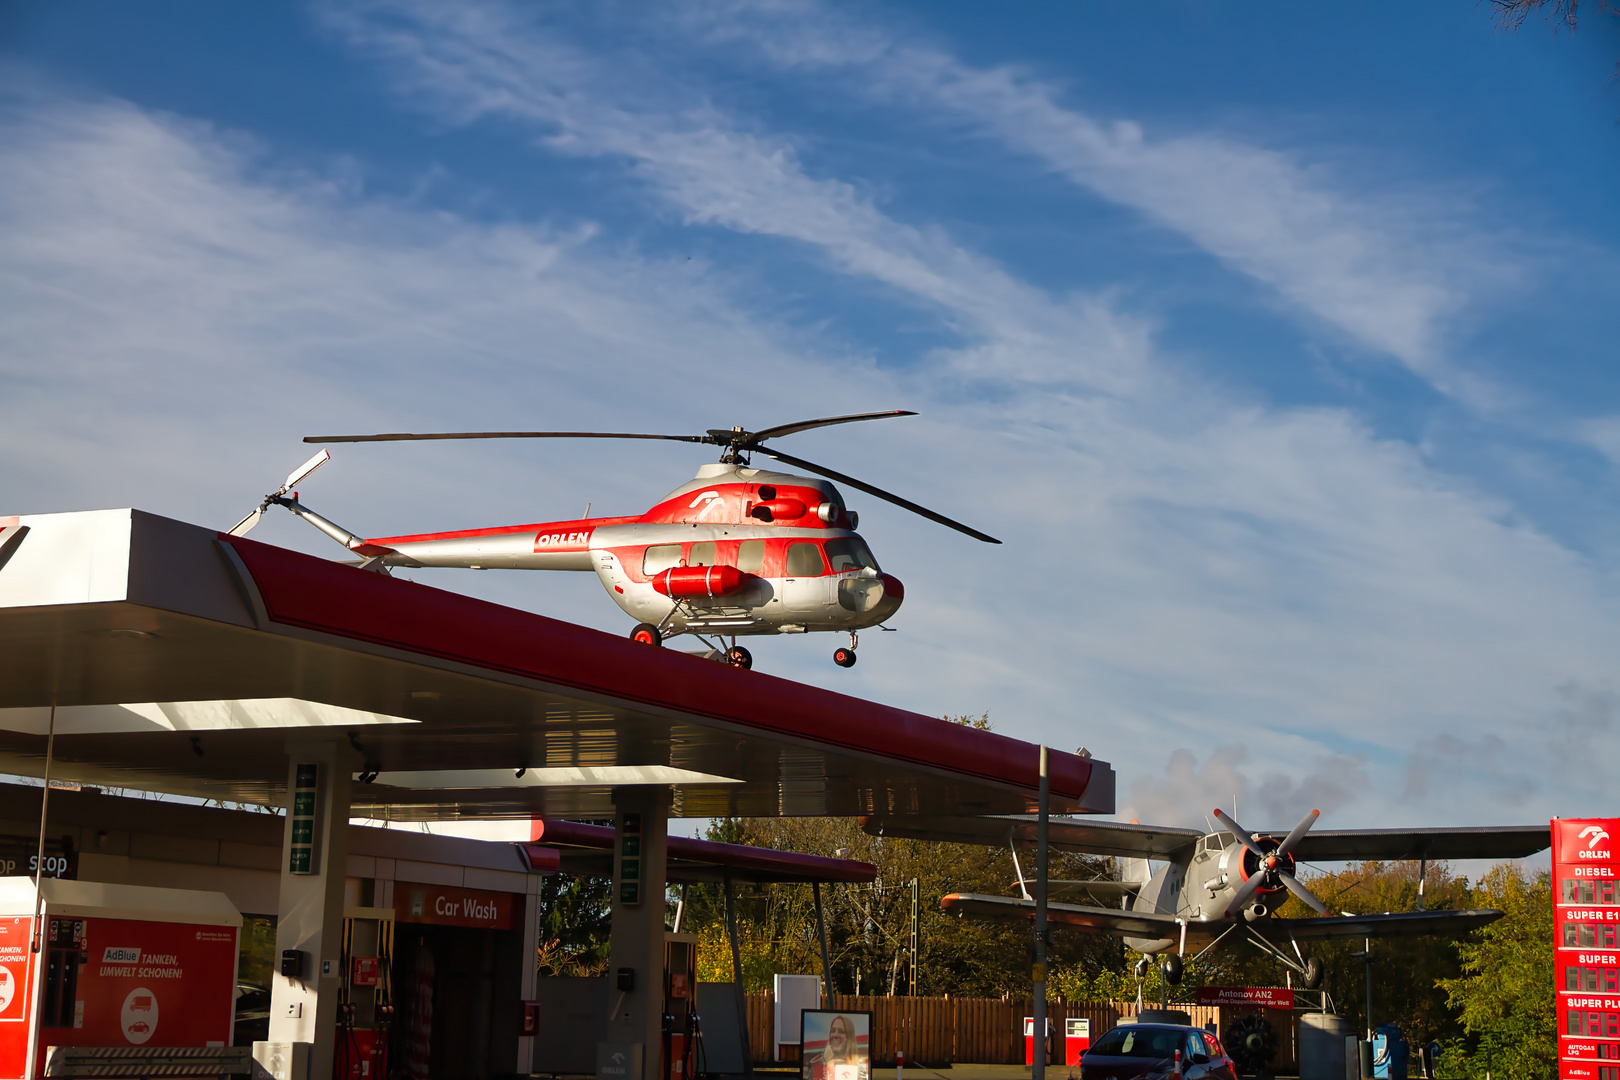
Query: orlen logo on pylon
pixel 1594 841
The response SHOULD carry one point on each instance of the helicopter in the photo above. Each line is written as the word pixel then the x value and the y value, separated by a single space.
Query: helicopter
pixel 735 551
pixel 1224 884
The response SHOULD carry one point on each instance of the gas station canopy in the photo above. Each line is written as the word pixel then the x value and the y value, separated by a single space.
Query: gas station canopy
pixel 184 660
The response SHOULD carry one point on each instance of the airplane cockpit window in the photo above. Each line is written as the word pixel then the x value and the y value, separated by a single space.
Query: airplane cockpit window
pixel 702 554
pixel 751 556
pixel 849 553
pixel 660 557
pixel 804 560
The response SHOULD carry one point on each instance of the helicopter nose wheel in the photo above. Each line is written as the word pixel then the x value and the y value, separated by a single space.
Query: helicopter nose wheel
pixel 846 657
pixel 739 657
pixel 647 634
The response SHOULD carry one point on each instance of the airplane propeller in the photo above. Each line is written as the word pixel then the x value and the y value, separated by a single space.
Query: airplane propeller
pixel 1270 872
pixel 738 443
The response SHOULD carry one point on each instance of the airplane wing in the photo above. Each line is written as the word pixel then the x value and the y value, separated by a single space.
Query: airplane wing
pixel 1063 833
pixel 1390 924
pixel 1488 842
pixel 1151 925
pixel 1078 916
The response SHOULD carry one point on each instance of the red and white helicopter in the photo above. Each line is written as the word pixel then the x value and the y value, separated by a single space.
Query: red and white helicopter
pixel 736 551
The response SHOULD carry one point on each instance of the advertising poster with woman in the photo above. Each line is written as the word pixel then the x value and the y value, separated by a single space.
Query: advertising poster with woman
pixel 835 1045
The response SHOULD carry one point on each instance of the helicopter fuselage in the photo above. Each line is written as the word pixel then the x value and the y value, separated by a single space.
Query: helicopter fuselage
pixel 736 551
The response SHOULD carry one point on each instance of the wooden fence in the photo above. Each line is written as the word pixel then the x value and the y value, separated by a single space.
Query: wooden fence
pixel 984 1031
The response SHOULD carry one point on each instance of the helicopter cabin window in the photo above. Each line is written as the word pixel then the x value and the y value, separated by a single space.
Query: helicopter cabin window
pixel 660 557
pixel 849 553
pixel 751 556
pixel 702 555
pixel 804 560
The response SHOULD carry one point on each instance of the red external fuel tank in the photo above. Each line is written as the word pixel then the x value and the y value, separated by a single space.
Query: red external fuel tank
pixel 700 582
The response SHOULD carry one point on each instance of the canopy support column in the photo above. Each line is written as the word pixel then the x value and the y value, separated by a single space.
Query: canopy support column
pixel 309 923
pixel 640 880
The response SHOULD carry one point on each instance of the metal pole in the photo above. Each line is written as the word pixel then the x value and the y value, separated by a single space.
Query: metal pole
pixel 1368 943
pixel 821 931
pixel 680 909
pixel 44 804
pixel 738 992
pixel 1038 1069
pixel 1423 872
pixel 30 1062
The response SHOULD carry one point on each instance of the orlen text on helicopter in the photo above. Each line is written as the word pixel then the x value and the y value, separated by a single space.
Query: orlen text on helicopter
pixel 736 551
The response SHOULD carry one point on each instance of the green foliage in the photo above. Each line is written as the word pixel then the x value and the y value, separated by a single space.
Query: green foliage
pixel 575 921
pixel 1505 994
pixel 869 926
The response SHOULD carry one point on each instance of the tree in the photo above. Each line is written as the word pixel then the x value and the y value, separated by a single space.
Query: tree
pixel 869 925
pixel 1504 995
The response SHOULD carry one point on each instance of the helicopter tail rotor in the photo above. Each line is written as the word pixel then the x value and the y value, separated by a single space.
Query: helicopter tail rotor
pixel 243 527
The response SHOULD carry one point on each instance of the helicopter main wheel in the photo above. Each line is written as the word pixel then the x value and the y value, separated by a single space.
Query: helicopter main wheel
pixel 647 634
pixel 844 657
pixel 739 657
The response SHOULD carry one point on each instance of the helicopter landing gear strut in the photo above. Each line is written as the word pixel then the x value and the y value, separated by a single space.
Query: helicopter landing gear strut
pixel 846 657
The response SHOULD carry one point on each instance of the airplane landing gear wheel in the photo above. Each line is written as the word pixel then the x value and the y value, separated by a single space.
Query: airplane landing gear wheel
pixel 1251 1042
pixel 1313 973
pixel 844 657
pixel 1170 967
pixel 647 634
pixel 737 656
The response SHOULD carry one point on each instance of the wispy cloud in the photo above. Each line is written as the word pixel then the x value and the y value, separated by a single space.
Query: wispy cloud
pixel 1388 267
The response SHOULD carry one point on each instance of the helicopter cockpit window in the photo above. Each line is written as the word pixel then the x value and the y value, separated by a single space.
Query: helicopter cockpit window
pixel 702 555
pixel 660 557
pixel 804 560
pixel 849 553
pixel 751 556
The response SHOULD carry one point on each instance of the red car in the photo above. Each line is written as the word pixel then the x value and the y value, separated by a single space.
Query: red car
pixel 1148 1052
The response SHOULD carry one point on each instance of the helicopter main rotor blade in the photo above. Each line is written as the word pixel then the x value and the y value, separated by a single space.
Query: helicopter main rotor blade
pixel 757 437
pixel 405 436
pixel 886 496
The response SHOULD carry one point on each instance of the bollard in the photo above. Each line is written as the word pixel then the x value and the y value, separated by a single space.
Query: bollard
pixel 899 1065
pixel 1175 1070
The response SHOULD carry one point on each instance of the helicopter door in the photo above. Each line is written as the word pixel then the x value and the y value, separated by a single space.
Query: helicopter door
pixel 806 588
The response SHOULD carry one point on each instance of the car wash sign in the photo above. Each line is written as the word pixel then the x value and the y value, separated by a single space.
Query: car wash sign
pixel 1586 875
pixel 442 905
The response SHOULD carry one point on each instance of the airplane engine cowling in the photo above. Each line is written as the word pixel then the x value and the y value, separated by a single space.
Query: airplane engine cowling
pixel 701 582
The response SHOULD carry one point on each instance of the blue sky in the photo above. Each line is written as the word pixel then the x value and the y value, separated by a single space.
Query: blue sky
pixel 1279 345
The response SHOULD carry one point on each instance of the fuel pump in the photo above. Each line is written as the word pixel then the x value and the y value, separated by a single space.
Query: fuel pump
pixel 680 1006
pixel 365 995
